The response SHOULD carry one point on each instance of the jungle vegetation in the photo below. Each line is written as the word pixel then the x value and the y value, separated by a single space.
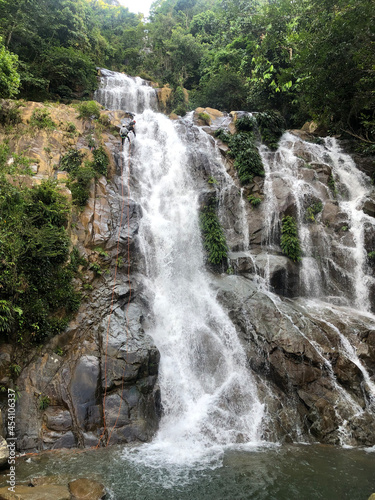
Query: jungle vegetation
pixel 308 59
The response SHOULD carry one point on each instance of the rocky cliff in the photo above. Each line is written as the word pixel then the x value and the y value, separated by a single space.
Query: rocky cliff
pixel 314 360
pixel 103 365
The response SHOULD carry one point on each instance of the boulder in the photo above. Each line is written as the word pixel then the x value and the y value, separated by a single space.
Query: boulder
pixel 86 489
pixel 44 492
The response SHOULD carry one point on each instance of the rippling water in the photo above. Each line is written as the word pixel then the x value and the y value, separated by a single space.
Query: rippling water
pixel 308 472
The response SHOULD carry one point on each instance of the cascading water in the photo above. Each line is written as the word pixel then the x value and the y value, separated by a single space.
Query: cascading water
pixel 328 267
pixel 211 400
pixel 121 92
pixel 209 397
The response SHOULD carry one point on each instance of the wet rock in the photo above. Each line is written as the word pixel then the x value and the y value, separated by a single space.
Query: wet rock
pixel 86 489
pixel 4 452
pixel 369 208
pixel 44 492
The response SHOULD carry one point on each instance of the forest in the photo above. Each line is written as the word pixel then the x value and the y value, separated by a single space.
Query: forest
pixel 307 59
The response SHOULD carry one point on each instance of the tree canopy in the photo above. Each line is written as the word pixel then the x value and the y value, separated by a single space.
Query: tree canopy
pixel 305 58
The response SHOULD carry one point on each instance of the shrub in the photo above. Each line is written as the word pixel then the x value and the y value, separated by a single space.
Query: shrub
pixel 222 135
pixel 71 161
pixel 9 112
pixel 88 109
pixel 79 185
pixel 290 244
pixel 101 161
pixel 40 118
pixel 254 200
pixel 246 123
pixel 247 160
pixel 313 210
pixel 213 235
pixel 35 281
pixel 271 126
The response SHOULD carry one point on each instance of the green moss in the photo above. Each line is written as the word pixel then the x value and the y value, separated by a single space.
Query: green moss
pixel 290 244
pixel 205 118
pixel 213 235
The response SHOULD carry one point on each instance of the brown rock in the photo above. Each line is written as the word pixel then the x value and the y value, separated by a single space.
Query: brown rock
pixel 86 489
pixel 45 492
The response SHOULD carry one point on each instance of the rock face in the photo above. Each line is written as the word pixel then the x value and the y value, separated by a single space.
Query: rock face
pixel 102 385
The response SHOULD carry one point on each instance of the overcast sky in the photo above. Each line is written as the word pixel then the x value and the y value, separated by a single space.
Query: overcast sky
pixel 137 5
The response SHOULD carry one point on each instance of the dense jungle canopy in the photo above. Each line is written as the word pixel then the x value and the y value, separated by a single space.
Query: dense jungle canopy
pixel 305 58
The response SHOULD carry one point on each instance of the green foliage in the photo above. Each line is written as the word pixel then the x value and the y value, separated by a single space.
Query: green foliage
pixel 205 118
pixel 371 255
pixel 35 281
pixel 271 126
pixel 41 118
pixel 213 235
pixel 6 316
pixel 313 210
pixel 59 351
pixel 44 402
pixel 290 244
pixel 71 161
pixel 88 109
pixel 178 101
pixel 101 161
pixel 212 180
pixel 95 266
pixel 15 370
pixel 246 123
pixel 247 160
pixel 254 200
pixel 79 184
pixel 9 77
pixel 222 135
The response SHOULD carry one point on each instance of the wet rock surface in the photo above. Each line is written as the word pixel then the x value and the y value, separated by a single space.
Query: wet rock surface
pixel 309 388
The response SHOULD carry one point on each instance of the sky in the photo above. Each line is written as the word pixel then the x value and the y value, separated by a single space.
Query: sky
pixel 137 5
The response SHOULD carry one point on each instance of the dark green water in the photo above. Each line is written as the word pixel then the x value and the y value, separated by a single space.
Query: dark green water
pixel 283 473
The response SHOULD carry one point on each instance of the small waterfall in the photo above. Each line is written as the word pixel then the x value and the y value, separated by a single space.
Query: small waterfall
pixel 121 92
pixel 330 266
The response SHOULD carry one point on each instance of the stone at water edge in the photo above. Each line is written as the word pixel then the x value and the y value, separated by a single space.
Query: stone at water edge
pixel 45 492
pixel 4 452
pixel 86 489
pixel 372 497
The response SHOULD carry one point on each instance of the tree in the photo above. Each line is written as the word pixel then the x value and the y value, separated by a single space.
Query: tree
pixel 9 77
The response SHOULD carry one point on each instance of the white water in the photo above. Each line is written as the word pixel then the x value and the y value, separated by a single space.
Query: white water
pixel 287 173
pixel 209 398
pixel 121 92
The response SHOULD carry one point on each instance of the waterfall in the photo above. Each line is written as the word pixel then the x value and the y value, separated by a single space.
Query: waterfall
pixel 300 351
pixel 334 261
pixel 209 397
pixel 121 92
